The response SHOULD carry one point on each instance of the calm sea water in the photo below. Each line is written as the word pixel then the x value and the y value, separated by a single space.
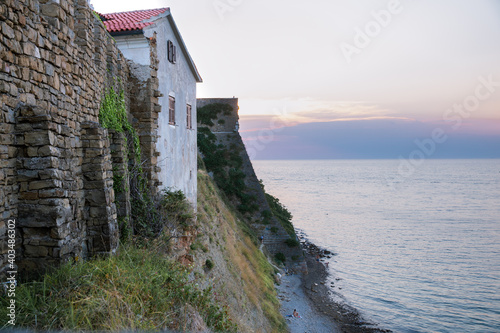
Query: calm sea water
pixel 420 255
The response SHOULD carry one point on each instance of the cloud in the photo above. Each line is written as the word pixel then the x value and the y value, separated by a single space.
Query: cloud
pixel 365 139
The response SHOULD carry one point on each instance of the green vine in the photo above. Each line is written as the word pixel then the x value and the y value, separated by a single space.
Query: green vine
pixel 113 115
pixel 226 166
pixel 209 112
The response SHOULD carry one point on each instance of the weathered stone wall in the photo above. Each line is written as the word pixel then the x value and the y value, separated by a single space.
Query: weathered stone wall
pixel 224 123
pixel 145 109
pixel 227 134
pixel 56 61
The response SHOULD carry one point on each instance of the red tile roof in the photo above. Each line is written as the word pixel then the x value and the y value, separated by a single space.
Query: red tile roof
pixel 129 21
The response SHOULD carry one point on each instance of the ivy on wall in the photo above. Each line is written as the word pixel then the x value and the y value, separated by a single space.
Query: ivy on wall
pixel 226 166
pixel 151 216
pixel 210 112
pixel 113 115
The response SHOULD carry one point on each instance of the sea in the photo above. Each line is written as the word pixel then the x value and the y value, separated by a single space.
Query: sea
pixel 417 245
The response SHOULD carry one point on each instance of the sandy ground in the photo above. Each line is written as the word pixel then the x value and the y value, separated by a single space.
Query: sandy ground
pixel 292 296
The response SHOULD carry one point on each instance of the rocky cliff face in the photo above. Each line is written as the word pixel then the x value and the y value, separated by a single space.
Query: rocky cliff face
pixel 223 124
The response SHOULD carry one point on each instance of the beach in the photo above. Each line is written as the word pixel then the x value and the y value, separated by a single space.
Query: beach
pixel 310 296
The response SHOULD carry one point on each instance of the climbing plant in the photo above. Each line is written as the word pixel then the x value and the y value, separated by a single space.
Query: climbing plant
pixel 113 115
pixel 226 166
pixel 209 112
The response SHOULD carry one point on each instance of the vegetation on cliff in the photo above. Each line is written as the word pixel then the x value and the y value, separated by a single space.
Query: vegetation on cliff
pixel 139 289
pixel 143 287
pixel 225 164
pixel 241 273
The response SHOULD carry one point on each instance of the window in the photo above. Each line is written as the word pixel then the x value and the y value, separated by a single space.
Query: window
pixel 172 52
pixel 189 125
pixel 171 110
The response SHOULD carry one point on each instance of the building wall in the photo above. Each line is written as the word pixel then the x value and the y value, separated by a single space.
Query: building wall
pixel 135 47
pixel 177 145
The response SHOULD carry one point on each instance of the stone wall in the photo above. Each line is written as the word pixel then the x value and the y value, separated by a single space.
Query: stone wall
pixel 56 61
pixel 145 109
pixel 225 123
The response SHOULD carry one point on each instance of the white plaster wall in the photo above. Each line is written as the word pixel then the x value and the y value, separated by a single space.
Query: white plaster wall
pixel 134 47
pixel 176 144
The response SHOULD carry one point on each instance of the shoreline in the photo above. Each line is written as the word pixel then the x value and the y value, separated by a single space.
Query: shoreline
pixel 314 285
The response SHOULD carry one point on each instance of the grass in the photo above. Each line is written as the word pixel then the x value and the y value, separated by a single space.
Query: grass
pixel 142 289
pixel 245 262
pixel 139 289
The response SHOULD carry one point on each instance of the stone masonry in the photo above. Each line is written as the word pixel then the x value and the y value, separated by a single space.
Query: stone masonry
pixel 56 168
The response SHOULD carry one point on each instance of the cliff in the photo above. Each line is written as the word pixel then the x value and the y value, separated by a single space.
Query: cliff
pixel 227 161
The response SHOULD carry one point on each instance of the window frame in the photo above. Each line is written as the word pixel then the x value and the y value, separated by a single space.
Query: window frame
pixel 171 110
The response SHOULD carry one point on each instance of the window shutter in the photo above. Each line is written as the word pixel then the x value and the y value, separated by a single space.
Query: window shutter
pixel 188 117
pixel 171 110
pixel 171 52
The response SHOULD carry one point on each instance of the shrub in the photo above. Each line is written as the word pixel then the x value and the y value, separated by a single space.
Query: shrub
pixel 225 164
pixel 280 257
pixel 292 242
pixel 281 213
pixel 206 114
pixel 209 264
pixel 166 213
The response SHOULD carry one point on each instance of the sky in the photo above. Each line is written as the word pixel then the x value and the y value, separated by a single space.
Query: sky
pixel 348 79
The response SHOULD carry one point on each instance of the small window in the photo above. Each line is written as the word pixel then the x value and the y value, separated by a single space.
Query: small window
pixel 189 124
pixel 171 110
pixel 172 52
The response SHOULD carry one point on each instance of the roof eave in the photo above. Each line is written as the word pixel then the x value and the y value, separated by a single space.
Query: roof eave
pixel 127 32
pixel 177 34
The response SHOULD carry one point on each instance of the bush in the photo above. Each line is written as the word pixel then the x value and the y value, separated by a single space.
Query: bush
pixel 280 257
pixel 282 214
pixel 225 164
pixel 292 242
pixel 166 213
pixel 209 264
pixel 206 114
pixel 274 230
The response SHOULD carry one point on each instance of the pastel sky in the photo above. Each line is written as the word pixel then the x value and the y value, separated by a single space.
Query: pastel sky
pixel 419 65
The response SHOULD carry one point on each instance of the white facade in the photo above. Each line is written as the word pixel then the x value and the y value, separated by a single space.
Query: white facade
pixel 134 47
pixel 176 142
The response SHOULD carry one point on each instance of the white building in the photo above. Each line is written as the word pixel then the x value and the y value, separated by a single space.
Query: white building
pixel 136 34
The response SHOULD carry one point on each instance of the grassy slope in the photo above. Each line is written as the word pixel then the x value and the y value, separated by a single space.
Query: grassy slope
pixel 241 273
pixel 230 283
pixel 139 289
